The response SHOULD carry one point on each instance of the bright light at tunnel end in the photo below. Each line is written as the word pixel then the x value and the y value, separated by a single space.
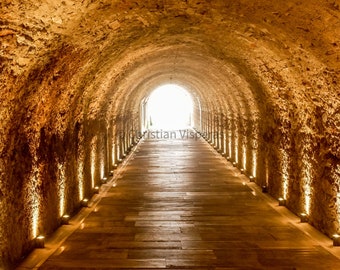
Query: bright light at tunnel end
pixel 169 107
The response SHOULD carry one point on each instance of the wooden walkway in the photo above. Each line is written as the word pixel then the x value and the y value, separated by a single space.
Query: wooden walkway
pixel 179 205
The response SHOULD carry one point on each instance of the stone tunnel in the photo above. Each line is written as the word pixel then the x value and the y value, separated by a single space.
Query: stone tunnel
pixel 75 76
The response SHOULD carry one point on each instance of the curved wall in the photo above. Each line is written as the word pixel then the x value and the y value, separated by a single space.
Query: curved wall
pixel 73 75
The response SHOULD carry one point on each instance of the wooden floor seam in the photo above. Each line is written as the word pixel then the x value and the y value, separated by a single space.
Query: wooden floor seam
pixel 177 204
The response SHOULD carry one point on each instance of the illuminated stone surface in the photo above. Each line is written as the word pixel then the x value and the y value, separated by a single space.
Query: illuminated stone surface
pixel 178 206
pixel 73 75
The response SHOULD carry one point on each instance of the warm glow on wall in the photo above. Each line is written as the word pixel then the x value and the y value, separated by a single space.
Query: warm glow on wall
pixel 244 154
pixel 235 142
pixel 306 180
pixel 336 174
pixel 306 175
pixel 35 215
pixel 285 172
pixel 229 143
pixel 254 162
pixel 254 143
pixel 224 142
pixel 93 160
pixel 81 179
pixel 61 188
pixel 307 199
pixel 113 154
pixel 102 164
pixel 267 171
pixel 236 145
pixel 34 201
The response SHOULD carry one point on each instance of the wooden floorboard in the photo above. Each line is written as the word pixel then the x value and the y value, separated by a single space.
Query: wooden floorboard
pixel 177 205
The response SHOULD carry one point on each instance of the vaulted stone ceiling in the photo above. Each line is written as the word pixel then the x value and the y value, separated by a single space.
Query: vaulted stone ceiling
pixel 72 71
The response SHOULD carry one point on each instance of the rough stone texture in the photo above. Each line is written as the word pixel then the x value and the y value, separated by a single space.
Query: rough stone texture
pixel 266 73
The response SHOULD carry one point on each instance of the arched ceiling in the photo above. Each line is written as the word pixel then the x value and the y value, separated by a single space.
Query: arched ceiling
pixel 66 63
pixel 240 55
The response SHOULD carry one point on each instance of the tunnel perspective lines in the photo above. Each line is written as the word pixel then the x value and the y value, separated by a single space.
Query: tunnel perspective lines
pixel 176 203
pixel 75 77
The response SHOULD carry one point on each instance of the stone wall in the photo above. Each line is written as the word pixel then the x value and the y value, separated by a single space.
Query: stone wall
pixel 73 75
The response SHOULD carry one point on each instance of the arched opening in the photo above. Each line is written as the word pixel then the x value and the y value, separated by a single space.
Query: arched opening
pixel 168 107
pixel 263 79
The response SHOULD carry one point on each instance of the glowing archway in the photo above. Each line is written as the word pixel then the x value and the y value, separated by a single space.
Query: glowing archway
pixel 169 107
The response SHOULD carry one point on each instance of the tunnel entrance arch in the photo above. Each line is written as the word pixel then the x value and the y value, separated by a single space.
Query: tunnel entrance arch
pixel 168 107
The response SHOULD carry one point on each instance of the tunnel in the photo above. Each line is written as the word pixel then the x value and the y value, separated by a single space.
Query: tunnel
pixel 75 77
